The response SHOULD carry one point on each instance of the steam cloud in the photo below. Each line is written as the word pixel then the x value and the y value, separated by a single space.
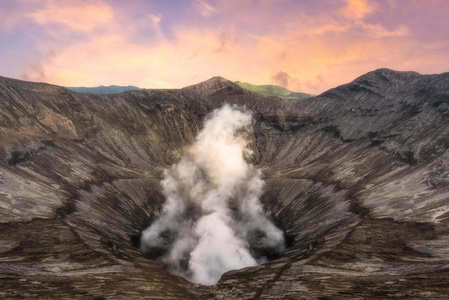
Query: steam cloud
pixel 212 220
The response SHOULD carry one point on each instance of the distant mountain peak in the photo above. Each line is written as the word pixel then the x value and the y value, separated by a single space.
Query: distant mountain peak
pixel 387 75
pixel 213 85
pixel 102 89
pixel 373 82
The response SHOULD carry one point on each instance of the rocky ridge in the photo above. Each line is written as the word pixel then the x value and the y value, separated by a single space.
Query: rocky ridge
pixel 358 177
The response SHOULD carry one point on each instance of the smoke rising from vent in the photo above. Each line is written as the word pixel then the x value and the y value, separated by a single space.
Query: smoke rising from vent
pixel 212 220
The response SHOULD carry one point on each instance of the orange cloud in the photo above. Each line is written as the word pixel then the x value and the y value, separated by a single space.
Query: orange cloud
pixel 78 15
pixel 192 55
pixel 357 9
pixel 308 63
pixel 258 43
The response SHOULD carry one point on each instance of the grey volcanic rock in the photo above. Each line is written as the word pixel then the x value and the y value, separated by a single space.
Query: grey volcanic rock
pixel 358 177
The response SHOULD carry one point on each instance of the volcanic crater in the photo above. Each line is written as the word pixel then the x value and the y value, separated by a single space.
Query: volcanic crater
pixel 356 177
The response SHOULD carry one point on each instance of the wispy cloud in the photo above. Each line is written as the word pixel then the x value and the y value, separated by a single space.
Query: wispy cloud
pixel 204 8
pixel 378 31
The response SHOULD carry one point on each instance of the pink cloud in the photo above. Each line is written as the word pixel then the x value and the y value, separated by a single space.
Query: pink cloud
pixel 78 15
pixel 358 9
pixel 204 8
pixel 9 19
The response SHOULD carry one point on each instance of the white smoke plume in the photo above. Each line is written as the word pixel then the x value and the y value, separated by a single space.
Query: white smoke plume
pixel 212 220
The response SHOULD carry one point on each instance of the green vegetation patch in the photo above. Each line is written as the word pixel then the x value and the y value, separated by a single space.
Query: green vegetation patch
pixel 273 90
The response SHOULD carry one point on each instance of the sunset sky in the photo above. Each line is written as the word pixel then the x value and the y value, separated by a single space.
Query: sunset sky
pixel 307 46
